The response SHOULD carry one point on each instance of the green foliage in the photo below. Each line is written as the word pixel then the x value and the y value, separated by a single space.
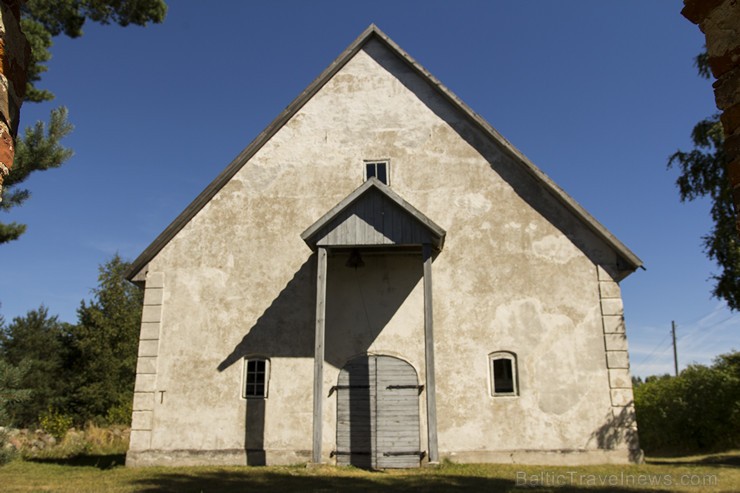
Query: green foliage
pixel 43 19
pixel 55 423
pixel 703 174
pixel 12 391
pixel 105 343
pixel 697 411
pixel 38 343
pixel 702 64
pixel 7 453
pixel 40 41
pixel 120 414
pixel 68 16
pixel 39 149
pixel 78 372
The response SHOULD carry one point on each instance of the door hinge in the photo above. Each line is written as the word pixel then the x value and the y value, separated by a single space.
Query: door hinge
pixel 334 453
pixel 395 454
pixel 420 388
pixel 345 387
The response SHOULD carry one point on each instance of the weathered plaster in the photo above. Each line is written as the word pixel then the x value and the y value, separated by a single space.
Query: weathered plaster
pixel 518 273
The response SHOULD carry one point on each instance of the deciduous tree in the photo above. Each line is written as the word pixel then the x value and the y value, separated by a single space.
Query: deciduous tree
pixel 703 174
pixel 697 411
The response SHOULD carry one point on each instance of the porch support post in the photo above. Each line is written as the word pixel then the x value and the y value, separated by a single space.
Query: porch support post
pixel 429 355
pixel 318 355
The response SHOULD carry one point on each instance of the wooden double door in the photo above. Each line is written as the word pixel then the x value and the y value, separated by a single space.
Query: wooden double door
pixel 378 414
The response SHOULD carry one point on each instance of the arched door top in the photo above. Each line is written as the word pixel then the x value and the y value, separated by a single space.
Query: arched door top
pixel 378 413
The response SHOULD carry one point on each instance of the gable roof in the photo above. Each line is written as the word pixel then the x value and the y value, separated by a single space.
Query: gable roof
pixel 376 215
pixel 631 261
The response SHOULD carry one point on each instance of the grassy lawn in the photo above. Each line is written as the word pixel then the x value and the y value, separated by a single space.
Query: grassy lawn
pixel 106 473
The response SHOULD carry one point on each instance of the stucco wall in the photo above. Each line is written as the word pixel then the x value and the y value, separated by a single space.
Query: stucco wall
pixel 518 273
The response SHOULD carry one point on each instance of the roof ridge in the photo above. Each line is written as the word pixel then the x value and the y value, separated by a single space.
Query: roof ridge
pixel 372 31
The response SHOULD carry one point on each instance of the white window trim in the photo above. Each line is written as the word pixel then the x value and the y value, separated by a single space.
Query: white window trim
pixel 268 367
pixel 508 355
pixel 387 163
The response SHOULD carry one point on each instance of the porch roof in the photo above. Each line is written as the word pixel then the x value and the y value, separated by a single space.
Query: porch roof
pixel 373 215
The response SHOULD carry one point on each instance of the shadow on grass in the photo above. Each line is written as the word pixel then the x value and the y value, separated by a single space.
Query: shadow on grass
pixel 256 480
pixel 102 462
pixel 720 460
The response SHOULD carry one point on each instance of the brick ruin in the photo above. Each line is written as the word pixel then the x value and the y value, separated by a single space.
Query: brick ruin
pixel 15 54
pixel 719 20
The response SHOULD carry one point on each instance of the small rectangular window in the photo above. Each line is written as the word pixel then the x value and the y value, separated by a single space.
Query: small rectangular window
pixel 502 378
pixel 503 373
pixel 256 377
pixel 378 169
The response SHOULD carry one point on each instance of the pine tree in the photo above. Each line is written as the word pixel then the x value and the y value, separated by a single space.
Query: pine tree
pixel 40 149
pixel 11 389
pixel 37 343
pixel 105 343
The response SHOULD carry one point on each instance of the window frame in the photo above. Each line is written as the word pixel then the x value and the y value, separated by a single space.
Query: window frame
pixel 375 163
pixel 508 356
pixel 266 374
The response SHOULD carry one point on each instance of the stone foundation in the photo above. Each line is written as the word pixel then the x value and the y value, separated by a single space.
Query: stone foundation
pixel 239 457
pixel 232 457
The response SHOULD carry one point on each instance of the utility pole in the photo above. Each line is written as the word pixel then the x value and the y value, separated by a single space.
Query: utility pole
pixel 675 352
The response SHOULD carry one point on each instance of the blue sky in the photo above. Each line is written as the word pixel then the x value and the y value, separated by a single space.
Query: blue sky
pixel 597 94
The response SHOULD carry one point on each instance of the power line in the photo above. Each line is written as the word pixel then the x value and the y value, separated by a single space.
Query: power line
pixel 672 334
pixel 695 329
pixel 654 350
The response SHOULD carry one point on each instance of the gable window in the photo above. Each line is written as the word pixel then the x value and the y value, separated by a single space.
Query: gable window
pixel 378 169
pixel 256 378
pixel 503 373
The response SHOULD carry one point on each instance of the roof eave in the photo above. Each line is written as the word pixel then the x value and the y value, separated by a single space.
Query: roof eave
pixel 236 164
pixel 555 190
pixel 371 32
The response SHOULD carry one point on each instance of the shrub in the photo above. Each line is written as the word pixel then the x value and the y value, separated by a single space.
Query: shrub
pixel 697 411
pixel 7 451
pixel 120 414
pixel 92 440
pixel 55 423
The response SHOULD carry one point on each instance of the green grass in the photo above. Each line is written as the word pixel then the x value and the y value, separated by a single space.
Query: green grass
pixel 107 473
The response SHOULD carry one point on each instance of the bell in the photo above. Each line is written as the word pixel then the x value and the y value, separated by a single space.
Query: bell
pixel 355 259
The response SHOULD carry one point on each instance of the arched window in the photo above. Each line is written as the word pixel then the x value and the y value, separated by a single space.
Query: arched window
pixel 504 381
pixel 256 377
